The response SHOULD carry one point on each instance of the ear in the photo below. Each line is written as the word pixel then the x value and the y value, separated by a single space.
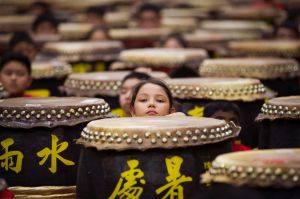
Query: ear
pixel 172 110
pixel 132 112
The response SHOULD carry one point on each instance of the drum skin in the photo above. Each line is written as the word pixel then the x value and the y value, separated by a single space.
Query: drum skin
pixel 100 171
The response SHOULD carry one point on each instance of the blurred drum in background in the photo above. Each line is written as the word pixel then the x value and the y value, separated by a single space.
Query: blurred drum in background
pixel 248 94
pixel 279 74
pixel 47 77
pixel 149 157
pixel 85 56
pixel 162 59
pixel 279 121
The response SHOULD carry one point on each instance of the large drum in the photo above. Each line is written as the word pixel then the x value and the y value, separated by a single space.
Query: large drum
pixel 149 157
pixel 37 138
pixel 74 31
pixel 279 120
pixel 180 24
pixel 47 77
pixel 167 60
pixel 85 56
pixel 104 85
pixel 261 174
pixel 215 41
pixel 13 23
pixel 248 94
pixel 263 48
pixel 138 38
pixel 279 74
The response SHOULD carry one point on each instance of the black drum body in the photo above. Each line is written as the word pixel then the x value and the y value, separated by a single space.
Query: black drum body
pixel 280 133
pixel 155 173
pixel 51 85
pixel 226 191
pixel 40 156
pixel 283 87
pixel 249 110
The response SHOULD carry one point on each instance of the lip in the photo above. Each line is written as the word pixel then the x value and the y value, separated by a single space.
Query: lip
pixel 152 112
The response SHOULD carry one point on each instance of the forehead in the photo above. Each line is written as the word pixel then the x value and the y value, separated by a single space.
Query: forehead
pixel 148 13
pixel 150 88
pixel 14 65
pixel 225 114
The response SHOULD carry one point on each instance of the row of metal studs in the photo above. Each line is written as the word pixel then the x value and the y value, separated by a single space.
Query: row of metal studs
pixel 88 84
pixel 255 173
pixel 280 110
pixel 52 71
pixel 254 89
pixel 198 134
pixel 48 114
pixel 288 68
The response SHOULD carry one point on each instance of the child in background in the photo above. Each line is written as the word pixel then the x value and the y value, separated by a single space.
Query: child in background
pixel 15 73
pixel 45 24
pixel 173 40
pixel 227 111
pixel 127 84
pixel 22 43
pixel 152 98
pixel 148 16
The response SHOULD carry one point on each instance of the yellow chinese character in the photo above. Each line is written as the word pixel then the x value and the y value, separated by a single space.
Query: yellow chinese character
pixel 207 165
pixel 54 152
pixel 129 190
pixel 196 111
pixel 7 157
pixel 175 178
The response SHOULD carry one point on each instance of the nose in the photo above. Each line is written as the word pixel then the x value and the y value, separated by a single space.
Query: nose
pixel 151 103
pixel 13 76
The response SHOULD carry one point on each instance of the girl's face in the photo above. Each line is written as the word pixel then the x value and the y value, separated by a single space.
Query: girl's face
pixel 151 100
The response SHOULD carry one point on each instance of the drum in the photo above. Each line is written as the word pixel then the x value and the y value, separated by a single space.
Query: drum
pixel 236 26
pixel 105 85
pixel 47 77
pixel 3 92
pixel 215 41
pixel 74 31
pixel 37 138
pixel 267 14
pixel 138 38
pixel 279 120
pixel 265 48
pixel 248 94
pixel 163 59
pixel 261 174
pixel 114 162
pixel 85 56
pixel 196 13
pixel 180 24
pixel 13 23
pixel 279 74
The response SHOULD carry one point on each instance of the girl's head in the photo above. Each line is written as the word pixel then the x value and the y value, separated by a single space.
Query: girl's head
pixel 173 40
pixel 151 98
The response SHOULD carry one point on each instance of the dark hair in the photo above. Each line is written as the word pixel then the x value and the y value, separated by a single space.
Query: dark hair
pixel 13 56
pixel 44 18
pixel 176 36
pixel 43 5
pixel 288 24
pixel 151 81
pixel 104 29
pixel 19 37
pixel 136 75
pixel 97 10
pixel 148 7
pixel 215 106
